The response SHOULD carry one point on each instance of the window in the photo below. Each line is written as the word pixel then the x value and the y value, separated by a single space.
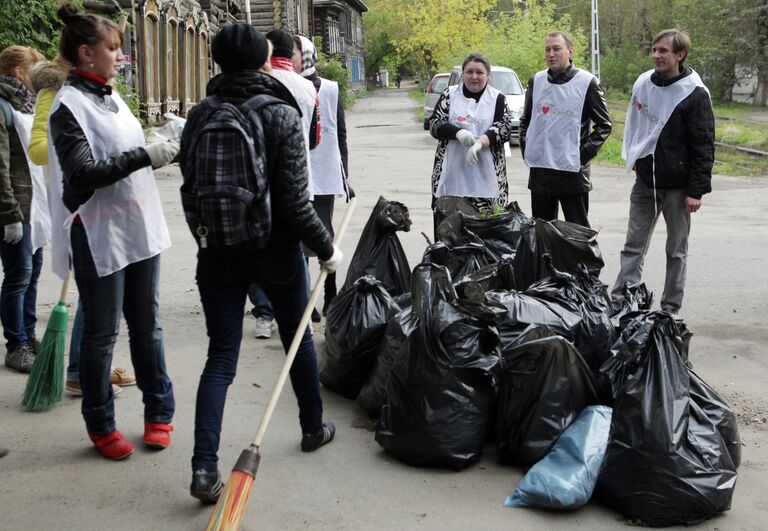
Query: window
pixel 152 44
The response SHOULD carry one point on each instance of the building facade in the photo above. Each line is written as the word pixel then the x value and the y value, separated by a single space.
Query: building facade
pixel 167 45
pixel 340 24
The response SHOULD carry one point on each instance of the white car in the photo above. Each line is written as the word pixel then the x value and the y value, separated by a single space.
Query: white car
pixel 505 80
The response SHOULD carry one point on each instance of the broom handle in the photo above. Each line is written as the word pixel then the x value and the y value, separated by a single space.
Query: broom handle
pixel 294 348
pixel 64 286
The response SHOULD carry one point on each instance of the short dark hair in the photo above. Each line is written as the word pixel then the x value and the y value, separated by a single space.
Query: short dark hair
pixel 82 28
pixel 477 57
pixel 681 41
pixel 564 35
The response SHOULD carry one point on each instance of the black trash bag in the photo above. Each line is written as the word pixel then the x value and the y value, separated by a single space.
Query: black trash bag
pixel 635 298
pixel 393 348
pixel 495 276
pixel 355 324
pixel 545 384
pixel 715 406
pixel 570 245
pixel 584 294
pixel 666 462
pixel 460 260
pixel 379 252
pixel 441 394
pixel 509 235
pixel 449 204
pixel 522 310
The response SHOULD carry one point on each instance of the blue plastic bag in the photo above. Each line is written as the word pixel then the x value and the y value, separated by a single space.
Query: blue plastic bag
pixel 566 477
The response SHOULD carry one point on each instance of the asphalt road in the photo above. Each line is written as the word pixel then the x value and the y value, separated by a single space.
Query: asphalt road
pixel 54 479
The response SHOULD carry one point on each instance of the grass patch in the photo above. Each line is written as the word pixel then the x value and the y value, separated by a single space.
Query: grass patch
pixel 417 95
pixel 732 126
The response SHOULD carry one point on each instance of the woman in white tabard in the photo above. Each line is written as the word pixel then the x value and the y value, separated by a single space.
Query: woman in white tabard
pixel 108 224
pixel 329 160
pixel 472 122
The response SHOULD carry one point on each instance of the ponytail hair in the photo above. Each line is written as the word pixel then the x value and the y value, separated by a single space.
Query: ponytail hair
pixel 82 28
pixel 22 56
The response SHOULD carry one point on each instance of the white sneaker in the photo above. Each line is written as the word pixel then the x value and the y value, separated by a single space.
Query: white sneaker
pixel 263 328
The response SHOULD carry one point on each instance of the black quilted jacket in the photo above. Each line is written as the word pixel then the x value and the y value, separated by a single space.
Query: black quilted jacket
pixel 293 217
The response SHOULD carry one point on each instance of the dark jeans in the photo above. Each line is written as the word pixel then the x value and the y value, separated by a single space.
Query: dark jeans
pixel 575 207
pixel 261 305
pixel 133 293
pixel 18 295
pixel 75 342
pixel 223 282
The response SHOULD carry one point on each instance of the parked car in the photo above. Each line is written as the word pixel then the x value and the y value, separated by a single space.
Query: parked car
pixel 438 84
pixel 506 81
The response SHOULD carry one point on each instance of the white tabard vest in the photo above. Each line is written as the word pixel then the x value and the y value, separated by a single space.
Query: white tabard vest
pixel 648 112
pixel 305 94
pixel 325 159
pixel 459 178
pixel 40 217
pixel 553 136
pixel 124 221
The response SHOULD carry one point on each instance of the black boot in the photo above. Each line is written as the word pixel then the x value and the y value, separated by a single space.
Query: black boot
pixel 330 291
pixel 206 485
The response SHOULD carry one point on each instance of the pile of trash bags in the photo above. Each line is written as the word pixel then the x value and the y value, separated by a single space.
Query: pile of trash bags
pixel 505 334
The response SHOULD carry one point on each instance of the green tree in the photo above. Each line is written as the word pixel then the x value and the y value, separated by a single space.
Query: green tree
pixel 31 23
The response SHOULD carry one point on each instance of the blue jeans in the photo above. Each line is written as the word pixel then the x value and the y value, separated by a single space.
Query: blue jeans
pixel 131 292
pixel 75 342
pixel 261 305
pixel 18 295
pixel 223 283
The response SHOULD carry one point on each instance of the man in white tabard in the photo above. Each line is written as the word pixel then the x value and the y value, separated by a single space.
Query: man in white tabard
pixel 564 124
pixel 669 140
pixel 306 96
pixel 329 161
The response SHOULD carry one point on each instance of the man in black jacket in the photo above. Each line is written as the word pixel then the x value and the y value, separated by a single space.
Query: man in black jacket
pixel 673 162
pixel 225 273
pixel 564 125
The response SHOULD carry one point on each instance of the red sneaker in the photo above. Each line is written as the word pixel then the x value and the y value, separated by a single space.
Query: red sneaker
pixel 112 446
pixel 157 435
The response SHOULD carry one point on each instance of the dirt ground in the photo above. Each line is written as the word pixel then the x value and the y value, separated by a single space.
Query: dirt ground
pixel 53 479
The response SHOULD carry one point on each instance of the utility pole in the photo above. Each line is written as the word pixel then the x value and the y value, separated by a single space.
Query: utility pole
pixel 595 41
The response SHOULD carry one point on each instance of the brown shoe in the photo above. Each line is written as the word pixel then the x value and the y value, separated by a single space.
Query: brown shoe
pixel 122 377
pixel 73 388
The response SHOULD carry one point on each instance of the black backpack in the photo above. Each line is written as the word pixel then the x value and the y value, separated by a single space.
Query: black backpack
pixel 225 194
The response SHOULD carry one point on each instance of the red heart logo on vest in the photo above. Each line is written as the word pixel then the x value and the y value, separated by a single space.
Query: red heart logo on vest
pixel 545 109
pixel 461 119
pixel 640 106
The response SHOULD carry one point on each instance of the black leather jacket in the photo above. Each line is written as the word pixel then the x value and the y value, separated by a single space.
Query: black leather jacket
pixel 596 126
pixel 293 217
pixel 82 174
pixel 685 150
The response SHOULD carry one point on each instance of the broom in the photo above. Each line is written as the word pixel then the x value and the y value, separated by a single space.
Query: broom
pixel 230 508
pixel 45 384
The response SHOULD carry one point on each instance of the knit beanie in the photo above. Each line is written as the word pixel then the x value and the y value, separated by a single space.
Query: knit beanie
pixel 239 47
pixel 282 43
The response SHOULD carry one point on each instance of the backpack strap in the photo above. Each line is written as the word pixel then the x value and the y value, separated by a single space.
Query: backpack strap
pixel 5 105
pixel 258 102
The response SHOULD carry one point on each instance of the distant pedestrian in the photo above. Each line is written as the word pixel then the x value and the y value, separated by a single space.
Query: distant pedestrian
pixel 224 273
pixel 472 123
pixel 669 142
pixel 108 222
pixel 24 215
pixel 565 122
pixel 329 161
pixel 398 79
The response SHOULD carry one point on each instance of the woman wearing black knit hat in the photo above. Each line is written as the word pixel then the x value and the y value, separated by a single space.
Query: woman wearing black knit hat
pixel 225 273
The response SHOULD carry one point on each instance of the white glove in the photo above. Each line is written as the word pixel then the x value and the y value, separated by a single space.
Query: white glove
pixel 162 153
pixel 333 263
pixel 465 137
pixel 472 153
pixel 13 233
